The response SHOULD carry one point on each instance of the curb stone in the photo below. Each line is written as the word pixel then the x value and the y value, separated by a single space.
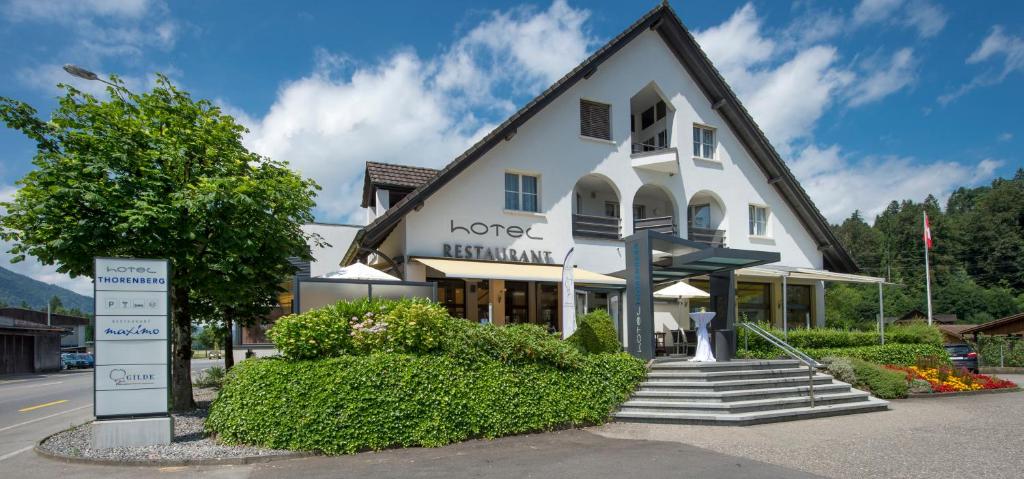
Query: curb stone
pixel 962 393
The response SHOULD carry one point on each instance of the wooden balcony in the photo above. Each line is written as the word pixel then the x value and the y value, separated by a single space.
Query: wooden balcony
pixel 711 237
pixel 599 227
pixel 661 224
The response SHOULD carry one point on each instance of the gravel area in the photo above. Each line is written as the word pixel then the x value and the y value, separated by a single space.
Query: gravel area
pixel 962 436
pixel 190 442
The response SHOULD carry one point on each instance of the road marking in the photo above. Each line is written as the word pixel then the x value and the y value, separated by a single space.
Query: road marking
pixel 2 429
pixel 15 453
pixel 37 406
pixel 27 386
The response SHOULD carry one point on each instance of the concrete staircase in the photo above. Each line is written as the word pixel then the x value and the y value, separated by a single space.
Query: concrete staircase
pixel 739 393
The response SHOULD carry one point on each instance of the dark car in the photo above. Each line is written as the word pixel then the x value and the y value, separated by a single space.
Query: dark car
pixel 963 356
pixel 76 360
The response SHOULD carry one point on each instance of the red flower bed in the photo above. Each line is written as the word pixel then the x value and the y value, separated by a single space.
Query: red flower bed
pixel 944 379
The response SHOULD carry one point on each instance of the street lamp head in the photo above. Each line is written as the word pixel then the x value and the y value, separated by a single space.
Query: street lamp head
pixel 80 72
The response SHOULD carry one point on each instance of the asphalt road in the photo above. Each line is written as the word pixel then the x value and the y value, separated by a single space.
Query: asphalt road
pixel 33 407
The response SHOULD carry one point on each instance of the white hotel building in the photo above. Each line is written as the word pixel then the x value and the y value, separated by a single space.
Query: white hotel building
pixel 644 134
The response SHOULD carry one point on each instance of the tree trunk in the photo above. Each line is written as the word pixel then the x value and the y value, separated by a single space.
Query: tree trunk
pixel 181 360
pixel 229 346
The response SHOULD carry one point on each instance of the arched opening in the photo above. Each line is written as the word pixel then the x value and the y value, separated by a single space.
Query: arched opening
pixel 595 208
pixel 653 209
pixel 650 121
pixel 705 219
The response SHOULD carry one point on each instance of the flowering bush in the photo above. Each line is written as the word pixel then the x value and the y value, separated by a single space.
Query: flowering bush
pixel 410 326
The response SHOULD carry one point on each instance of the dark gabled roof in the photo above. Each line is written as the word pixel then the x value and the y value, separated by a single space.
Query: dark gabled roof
pixel 663 20
pixel 997 323
pixel 391 176
pixel 39 317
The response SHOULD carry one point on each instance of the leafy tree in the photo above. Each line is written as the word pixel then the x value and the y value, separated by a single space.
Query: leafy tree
pixel 157 175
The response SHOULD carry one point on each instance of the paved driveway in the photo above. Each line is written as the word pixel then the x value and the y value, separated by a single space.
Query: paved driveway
pixel 966 436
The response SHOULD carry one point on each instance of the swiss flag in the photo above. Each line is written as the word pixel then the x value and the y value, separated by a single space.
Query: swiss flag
pixel 927 233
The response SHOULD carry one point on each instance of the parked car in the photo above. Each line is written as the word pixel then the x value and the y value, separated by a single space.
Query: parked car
pixel 76 360
pixel 963 356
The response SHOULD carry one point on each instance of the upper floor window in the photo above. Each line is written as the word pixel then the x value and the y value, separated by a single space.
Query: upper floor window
pixel 595 120
pixel 758 220
pixel 703 142
pixel 521 192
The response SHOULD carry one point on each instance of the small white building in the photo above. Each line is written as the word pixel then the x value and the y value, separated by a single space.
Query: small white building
pixel 644 134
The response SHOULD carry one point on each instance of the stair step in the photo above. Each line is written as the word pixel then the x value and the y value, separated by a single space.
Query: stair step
pixel 685 375
pixel 733 384
pixel 671 363
pixel 664 394
pixel 754 417
pixel 736 407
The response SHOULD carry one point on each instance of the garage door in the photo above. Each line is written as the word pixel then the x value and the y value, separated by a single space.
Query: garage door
pixel 16 353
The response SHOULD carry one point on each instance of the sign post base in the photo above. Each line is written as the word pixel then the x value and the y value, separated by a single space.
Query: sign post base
pixel 108 433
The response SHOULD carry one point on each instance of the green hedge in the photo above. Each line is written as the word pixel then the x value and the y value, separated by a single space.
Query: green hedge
pixel 895 354
pixel 595 333
pixel 915 333
pixel 882 382
pixel 354 403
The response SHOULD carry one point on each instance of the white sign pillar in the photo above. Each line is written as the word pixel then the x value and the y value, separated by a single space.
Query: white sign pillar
pixel 132 371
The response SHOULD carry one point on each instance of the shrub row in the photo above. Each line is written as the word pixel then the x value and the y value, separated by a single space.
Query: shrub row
pixel 915 333
pixel 882 382
pixel 895 354
pixel 990 348
pixel 352 403
pixel 595 333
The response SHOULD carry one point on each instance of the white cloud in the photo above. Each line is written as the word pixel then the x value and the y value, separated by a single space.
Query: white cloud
pixel 1005 136
pixel 73 10
pixel 840 184
pixel 925 17
pixel 873 11
pixel 997 44
pixel 100 32
pixel 786 92
pixel 885 79
pixel 412 110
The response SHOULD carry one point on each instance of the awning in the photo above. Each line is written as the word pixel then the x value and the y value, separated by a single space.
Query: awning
pixel 453 268
pixel 775 271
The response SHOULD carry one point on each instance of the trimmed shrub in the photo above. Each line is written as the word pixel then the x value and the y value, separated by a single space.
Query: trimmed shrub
pixel 354 403
pixel 882 382
pixel 841 369
pixel 895 354
pixel 512 344
pixel 595 333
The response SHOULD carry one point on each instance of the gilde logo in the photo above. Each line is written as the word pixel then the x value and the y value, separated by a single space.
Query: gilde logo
pixel 125 378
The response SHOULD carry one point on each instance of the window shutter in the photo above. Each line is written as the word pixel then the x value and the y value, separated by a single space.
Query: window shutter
pixel 595 120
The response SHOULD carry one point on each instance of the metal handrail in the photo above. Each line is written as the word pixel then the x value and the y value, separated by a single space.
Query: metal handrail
pixel 795 353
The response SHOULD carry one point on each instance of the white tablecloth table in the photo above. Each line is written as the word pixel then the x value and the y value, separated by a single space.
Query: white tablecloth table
pixel 703 353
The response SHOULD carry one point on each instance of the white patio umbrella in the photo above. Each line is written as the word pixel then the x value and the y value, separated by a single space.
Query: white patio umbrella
pixel 681 291
pixel 360 271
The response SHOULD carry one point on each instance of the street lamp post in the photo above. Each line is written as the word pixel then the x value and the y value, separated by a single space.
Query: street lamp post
pixel 77 71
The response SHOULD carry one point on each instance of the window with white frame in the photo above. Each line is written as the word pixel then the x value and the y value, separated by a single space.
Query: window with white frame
pixel 758 221
pixel 611 209
pixel 521 192
pixel 703 142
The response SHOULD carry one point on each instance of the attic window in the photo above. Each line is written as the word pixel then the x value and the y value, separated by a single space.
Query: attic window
pixel 595 120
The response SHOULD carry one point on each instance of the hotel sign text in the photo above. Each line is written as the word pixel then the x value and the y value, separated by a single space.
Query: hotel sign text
pixel 491 253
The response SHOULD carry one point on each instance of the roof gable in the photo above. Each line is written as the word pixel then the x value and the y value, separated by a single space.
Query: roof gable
pixel 670 28
pixel 392 176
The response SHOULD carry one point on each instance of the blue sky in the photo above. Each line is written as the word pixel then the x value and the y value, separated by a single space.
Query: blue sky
pixel 868 100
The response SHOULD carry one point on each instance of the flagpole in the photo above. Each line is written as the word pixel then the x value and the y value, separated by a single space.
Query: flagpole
pixel 927 269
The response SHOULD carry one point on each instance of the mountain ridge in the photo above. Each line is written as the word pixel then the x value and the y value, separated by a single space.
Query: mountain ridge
pixel 16 288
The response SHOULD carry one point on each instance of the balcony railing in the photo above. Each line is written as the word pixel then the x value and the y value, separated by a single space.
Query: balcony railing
pixel 601 227
pixel 661 224
pixel 711 237
pixel 639 147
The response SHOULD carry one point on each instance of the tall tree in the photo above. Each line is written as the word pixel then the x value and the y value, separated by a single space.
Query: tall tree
pixel 157 175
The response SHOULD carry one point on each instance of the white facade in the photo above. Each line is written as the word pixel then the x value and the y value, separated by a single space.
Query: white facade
pixel 584 175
